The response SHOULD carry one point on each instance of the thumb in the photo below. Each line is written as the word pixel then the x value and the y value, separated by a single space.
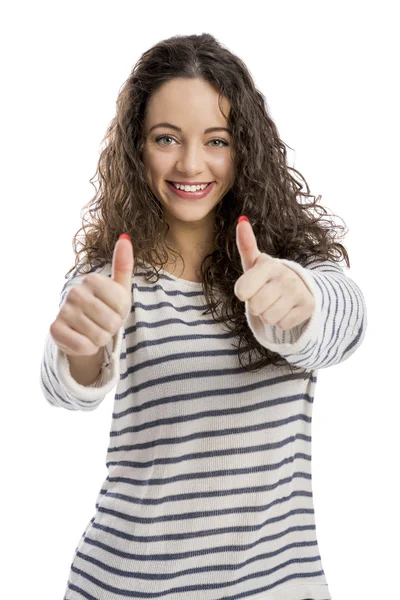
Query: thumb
pixel 123 262
pixel 246 243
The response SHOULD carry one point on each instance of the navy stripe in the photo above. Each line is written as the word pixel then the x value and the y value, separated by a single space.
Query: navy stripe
pixel 209 485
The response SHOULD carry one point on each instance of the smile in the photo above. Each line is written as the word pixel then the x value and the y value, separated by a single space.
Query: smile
pixel 192 195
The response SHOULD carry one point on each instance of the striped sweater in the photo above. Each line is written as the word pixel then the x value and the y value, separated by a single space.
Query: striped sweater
pixel 209 491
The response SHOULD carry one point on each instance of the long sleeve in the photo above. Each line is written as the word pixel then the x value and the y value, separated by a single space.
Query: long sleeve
pixel 334 331
pixel 58 386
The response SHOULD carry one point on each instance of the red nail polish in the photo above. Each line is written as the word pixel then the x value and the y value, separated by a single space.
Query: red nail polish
pixel 124 236
pixel 243 218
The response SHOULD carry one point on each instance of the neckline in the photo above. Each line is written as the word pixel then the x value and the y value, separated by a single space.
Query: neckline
pixel 196 284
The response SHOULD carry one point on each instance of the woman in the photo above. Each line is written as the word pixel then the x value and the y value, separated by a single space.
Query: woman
pixel 209 491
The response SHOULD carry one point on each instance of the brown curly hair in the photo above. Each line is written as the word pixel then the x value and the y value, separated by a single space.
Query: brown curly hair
pixel 264 189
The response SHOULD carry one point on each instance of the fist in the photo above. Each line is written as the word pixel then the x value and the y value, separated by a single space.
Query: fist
pixel 93 312
pixel 275 293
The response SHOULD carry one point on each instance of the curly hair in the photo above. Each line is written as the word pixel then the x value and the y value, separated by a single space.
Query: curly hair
pixel 264 189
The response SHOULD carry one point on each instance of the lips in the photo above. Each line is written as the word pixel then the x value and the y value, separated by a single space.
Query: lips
pixel 192 195
pixel 209 183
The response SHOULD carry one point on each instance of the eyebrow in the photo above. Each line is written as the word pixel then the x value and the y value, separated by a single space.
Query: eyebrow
pixel 209 130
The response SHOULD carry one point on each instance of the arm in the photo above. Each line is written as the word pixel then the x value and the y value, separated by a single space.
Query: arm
pixel 79 383
pixel 333 332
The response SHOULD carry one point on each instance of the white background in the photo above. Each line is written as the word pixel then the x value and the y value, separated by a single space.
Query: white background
pixel 329 72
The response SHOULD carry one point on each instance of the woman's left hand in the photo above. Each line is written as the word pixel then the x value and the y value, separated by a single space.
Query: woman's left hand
pixel 275 293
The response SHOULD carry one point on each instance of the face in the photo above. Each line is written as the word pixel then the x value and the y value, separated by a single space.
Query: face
pixel 187 155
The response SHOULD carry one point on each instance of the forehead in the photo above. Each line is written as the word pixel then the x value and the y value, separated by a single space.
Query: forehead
pixel 187 102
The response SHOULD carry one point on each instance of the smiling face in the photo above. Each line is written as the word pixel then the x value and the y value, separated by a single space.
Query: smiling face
pixel 188 155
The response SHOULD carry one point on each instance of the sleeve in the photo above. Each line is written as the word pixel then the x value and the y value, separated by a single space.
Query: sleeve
pixel 334 331
pixel 58 386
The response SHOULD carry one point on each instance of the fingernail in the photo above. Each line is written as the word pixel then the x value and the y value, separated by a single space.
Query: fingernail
pixel 243 218
pixel 124 236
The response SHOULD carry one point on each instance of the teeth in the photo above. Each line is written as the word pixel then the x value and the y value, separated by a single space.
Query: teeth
pixel 190 188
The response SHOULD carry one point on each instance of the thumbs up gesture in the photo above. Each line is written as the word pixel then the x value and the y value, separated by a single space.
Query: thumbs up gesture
pixel 275 292
pixel 94 311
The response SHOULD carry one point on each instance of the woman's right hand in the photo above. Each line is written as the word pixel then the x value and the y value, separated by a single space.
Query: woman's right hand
pixel 93 312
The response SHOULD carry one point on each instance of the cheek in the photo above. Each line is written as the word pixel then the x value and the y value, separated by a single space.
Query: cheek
pixel 230 174
pixel 222 161
pixel 158 164
pixel 225 167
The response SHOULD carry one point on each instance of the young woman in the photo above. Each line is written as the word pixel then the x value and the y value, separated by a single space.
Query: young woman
pixel 209 490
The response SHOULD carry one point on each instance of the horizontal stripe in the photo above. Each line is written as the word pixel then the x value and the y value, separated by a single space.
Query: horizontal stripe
pixel 209 487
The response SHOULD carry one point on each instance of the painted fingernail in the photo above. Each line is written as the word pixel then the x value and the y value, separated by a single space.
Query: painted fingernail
pixel 243 218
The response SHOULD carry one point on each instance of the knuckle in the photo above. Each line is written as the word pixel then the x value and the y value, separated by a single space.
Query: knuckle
pixel 289 279
pixel 253 307
pixel 290 285
pixel 54 328
pixel 66 309
pixel 105 338
pixel 116 322
pixel 125 306
pixel 91 283
pixel 79 346
pixel 101 338
pixel 74 295
pixel 91 279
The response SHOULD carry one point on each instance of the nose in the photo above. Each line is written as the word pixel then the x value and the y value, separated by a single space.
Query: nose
pixel 191 160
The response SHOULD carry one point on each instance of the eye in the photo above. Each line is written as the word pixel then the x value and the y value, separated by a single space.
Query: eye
pixel 218 140
pixel 162 137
